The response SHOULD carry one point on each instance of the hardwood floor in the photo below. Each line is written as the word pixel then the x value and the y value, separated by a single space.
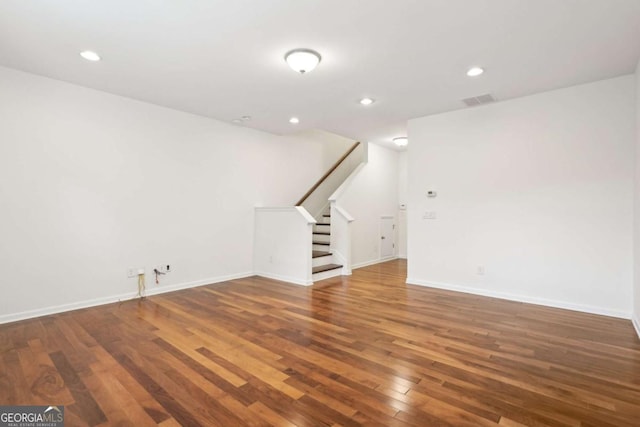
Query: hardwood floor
pixel 363 350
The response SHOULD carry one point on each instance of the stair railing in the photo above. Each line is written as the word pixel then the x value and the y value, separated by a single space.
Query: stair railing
pixel 328 173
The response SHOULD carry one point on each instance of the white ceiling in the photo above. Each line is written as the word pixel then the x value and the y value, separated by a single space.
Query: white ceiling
pixel 224 59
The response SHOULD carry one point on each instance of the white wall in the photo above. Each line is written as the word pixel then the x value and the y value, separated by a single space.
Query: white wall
pixel 537 190
pixel 372 193
pixel 636 217
pixel 333 146
pixel 91 184
pixel 330 148
pixel 403 195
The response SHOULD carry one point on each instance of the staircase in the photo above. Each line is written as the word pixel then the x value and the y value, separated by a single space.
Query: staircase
pixel 323 265
pixel 303 244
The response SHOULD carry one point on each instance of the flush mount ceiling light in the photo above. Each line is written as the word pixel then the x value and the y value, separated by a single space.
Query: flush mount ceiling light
pixel 294 120
pixel 90 55
pixel 302 60
pixel 367 101
pixel 401 141
pixel 474 71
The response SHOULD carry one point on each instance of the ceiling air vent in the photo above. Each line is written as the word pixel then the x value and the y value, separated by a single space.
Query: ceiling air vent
pixel 477 100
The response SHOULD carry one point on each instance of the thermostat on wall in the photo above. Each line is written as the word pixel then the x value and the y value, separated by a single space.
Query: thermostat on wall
pixel 432 193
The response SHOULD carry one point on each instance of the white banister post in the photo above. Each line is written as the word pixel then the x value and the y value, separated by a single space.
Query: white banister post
pixel 340 242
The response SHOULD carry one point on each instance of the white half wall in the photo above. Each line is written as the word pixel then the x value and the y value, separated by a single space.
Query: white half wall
pixel 535 198
pixel 92 184
pixel 371 194
pixel 282 244
pixel 341 239
pixel 636 217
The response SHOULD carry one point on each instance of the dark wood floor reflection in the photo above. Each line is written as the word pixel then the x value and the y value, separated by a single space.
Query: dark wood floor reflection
pixel 363 350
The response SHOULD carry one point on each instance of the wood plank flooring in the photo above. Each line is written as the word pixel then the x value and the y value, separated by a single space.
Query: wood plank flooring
pixel 364 350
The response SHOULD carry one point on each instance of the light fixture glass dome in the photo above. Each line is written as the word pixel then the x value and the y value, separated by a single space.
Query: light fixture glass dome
pixel 401 141
pixel 90 55
pixel 474 71
pixel 302 60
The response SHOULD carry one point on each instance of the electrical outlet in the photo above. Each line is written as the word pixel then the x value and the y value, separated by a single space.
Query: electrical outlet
pixel 163 268
pixel 480 270
pixel 131 272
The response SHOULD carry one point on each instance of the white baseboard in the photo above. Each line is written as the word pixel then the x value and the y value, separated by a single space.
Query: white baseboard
pixel 522 298
pixel 14 317
pixel 284 278
pixel 636 325
pixel 187 285
pixel 372 262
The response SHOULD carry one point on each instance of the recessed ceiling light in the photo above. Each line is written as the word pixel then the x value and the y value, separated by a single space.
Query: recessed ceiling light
pixel 90 55
pixel 367 101
pixel 474 71
pixel 401 141
pixel 294 120
pixel 302 60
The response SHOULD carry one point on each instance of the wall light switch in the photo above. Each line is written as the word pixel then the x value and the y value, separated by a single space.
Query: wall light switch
pixel 429 215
